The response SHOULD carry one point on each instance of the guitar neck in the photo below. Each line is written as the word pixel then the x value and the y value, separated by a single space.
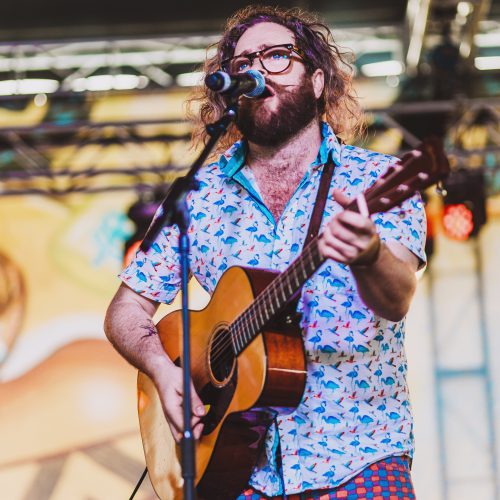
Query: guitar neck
pixel 276 296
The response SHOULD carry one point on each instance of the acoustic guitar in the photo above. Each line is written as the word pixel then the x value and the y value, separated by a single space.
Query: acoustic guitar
pixel 247 356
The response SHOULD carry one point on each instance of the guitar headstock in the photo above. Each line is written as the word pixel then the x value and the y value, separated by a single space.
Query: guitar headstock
pixel 416 171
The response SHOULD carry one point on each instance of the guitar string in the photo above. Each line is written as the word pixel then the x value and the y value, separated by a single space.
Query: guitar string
pixel 239 334
pixel 253 312
pixel 300 274
pixel 240 326
pixel 243 323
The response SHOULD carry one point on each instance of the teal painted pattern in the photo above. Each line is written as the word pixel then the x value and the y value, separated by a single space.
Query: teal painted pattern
pixel 355 408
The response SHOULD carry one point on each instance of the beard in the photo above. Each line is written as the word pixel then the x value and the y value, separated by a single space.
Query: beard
pixel 296 109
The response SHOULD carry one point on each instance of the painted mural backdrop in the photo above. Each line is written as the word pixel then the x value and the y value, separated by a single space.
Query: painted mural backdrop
pixel 67 404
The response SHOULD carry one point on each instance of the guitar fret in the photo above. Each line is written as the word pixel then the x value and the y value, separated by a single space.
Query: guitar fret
pixel 283 294
pixel 317 258
pixel 236 340
pixel 245 330
pixel 233 340
pixel 244 340
pixel 266 314
pixel 301 262
pixel 271 306
pixel 310 262
pixel 297 279
pixel 265 310
pixel 255 328
pixel 259 312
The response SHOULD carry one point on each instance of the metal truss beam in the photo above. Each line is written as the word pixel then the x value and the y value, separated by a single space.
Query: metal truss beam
pixel 34 169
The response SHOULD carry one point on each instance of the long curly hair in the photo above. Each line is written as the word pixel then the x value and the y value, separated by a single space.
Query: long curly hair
pixel 338 105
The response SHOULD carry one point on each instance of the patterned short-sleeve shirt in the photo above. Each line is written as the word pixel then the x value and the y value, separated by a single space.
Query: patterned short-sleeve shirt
pixel 355 409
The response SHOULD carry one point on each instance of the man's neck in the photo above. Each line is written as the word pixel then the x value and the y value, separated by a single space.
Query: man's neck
pixel 295 155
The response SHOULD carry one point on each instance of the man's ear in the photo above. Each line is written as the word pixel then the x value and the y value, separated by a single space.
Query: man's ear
pixel 318 81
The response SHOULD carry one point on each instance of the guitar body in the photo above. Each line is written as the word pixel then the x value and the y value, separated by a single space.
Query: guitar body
pixel 244 392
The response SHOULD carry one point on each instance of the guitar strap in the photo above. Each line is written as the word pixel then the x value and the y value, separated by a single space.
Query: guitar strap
pixel 320 202
pixel 314 224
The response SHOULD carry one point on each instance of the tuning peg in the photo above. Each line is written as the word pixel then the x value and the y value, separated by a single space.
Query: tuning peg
pixel 440 189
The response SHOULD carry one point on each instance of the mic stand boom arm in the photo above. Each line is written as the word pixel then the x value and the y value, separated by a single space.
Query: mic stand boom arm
pixel 171 210
pixel 174 210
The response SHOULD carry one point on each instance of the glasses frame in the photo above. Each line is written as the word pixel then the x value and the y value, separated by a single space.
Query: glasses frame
pixel 258 55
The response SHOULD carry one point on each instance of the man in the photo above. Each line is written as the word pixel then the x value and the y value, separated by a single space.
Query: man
pixel 351 436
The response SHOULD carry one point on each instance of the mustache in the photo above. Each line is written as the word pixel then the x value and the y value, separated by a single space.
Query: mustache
pixel 278 87
pixel 272 88
pixel 252 104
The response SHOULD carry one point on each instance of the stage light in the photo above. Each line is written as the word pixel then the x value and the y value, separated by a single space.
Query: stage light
pixel 40 100
pixel 190 79
pixel 109 82
pixel 458 221
pixel 487 63
pixel 141 213
pixel 464 204
pixel 464 8
pixel 393 81
pixel 28 86
pixel 382 68
pixel 487 39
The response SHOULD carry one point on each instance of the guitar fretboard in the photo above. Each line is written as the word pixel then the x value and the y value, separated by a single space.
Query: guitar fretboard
pixel 275 297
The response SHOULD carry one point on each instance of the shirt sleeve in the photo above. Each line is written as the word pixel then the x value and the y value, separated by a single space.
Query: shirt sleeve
pixel 405 223
pixel 155 274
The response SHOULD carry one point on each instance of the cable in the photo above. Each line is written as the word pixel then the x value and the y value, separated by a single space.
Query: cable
pixel 139 483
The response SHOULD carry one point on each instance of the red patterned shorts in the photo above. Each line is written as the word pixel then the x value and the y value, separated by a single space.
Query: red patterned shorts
pixel 387 479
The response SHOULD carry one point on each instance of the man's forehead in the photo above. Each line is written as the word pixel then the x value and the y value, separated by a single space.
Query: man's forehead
pixel 262 35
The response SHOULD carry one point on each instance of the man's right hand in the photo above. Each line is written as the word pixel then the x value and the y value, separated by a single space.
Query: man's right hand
pixel 168 382
pixel 130 328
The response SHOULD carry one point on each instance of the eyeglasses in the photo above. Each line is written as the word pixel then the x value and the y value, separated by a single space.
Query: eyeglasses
pixel 274 59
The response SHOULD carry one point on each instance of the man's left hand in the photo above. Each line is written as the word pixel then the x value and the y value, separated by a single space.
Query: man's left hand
pixel 350 237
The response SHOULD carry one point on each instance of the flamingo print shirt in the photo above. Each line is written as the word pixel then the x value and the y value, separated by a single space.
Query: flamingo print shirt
pixel 355 409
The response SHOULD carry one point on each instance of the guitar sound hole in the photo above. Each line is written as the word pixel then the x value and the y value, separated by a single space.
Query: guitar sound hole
pixel 222 357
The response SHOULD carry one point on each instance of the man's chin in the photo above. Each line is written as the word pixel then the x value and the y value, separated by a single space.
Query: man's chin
pixel 270 101
pixel 266 135
pixel 264 110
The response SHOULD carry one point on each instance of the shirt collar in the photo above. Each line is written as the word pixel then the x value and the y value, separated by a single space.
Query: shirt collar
pixel 231 161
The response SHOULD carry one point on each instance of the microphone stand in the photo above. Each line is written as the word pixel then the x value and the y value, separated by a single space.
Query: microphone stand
pixel 174 210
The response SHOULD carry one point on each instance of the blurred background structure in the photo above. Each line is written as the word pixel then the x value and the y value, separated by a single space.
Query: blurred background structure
pixel 92 133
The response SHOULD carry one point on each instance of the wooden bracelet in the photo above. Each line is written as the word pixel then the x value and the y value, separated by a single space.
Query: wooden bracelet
pixel 369 256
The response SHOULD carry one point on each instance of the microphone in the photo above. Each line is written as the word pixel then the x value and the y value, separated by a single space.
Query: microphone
pixel 250 84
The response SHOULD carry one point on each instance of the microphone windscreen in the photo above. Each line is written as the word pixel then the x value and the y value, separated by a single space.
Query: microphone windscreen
pixel 218 81
pixel 261 83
